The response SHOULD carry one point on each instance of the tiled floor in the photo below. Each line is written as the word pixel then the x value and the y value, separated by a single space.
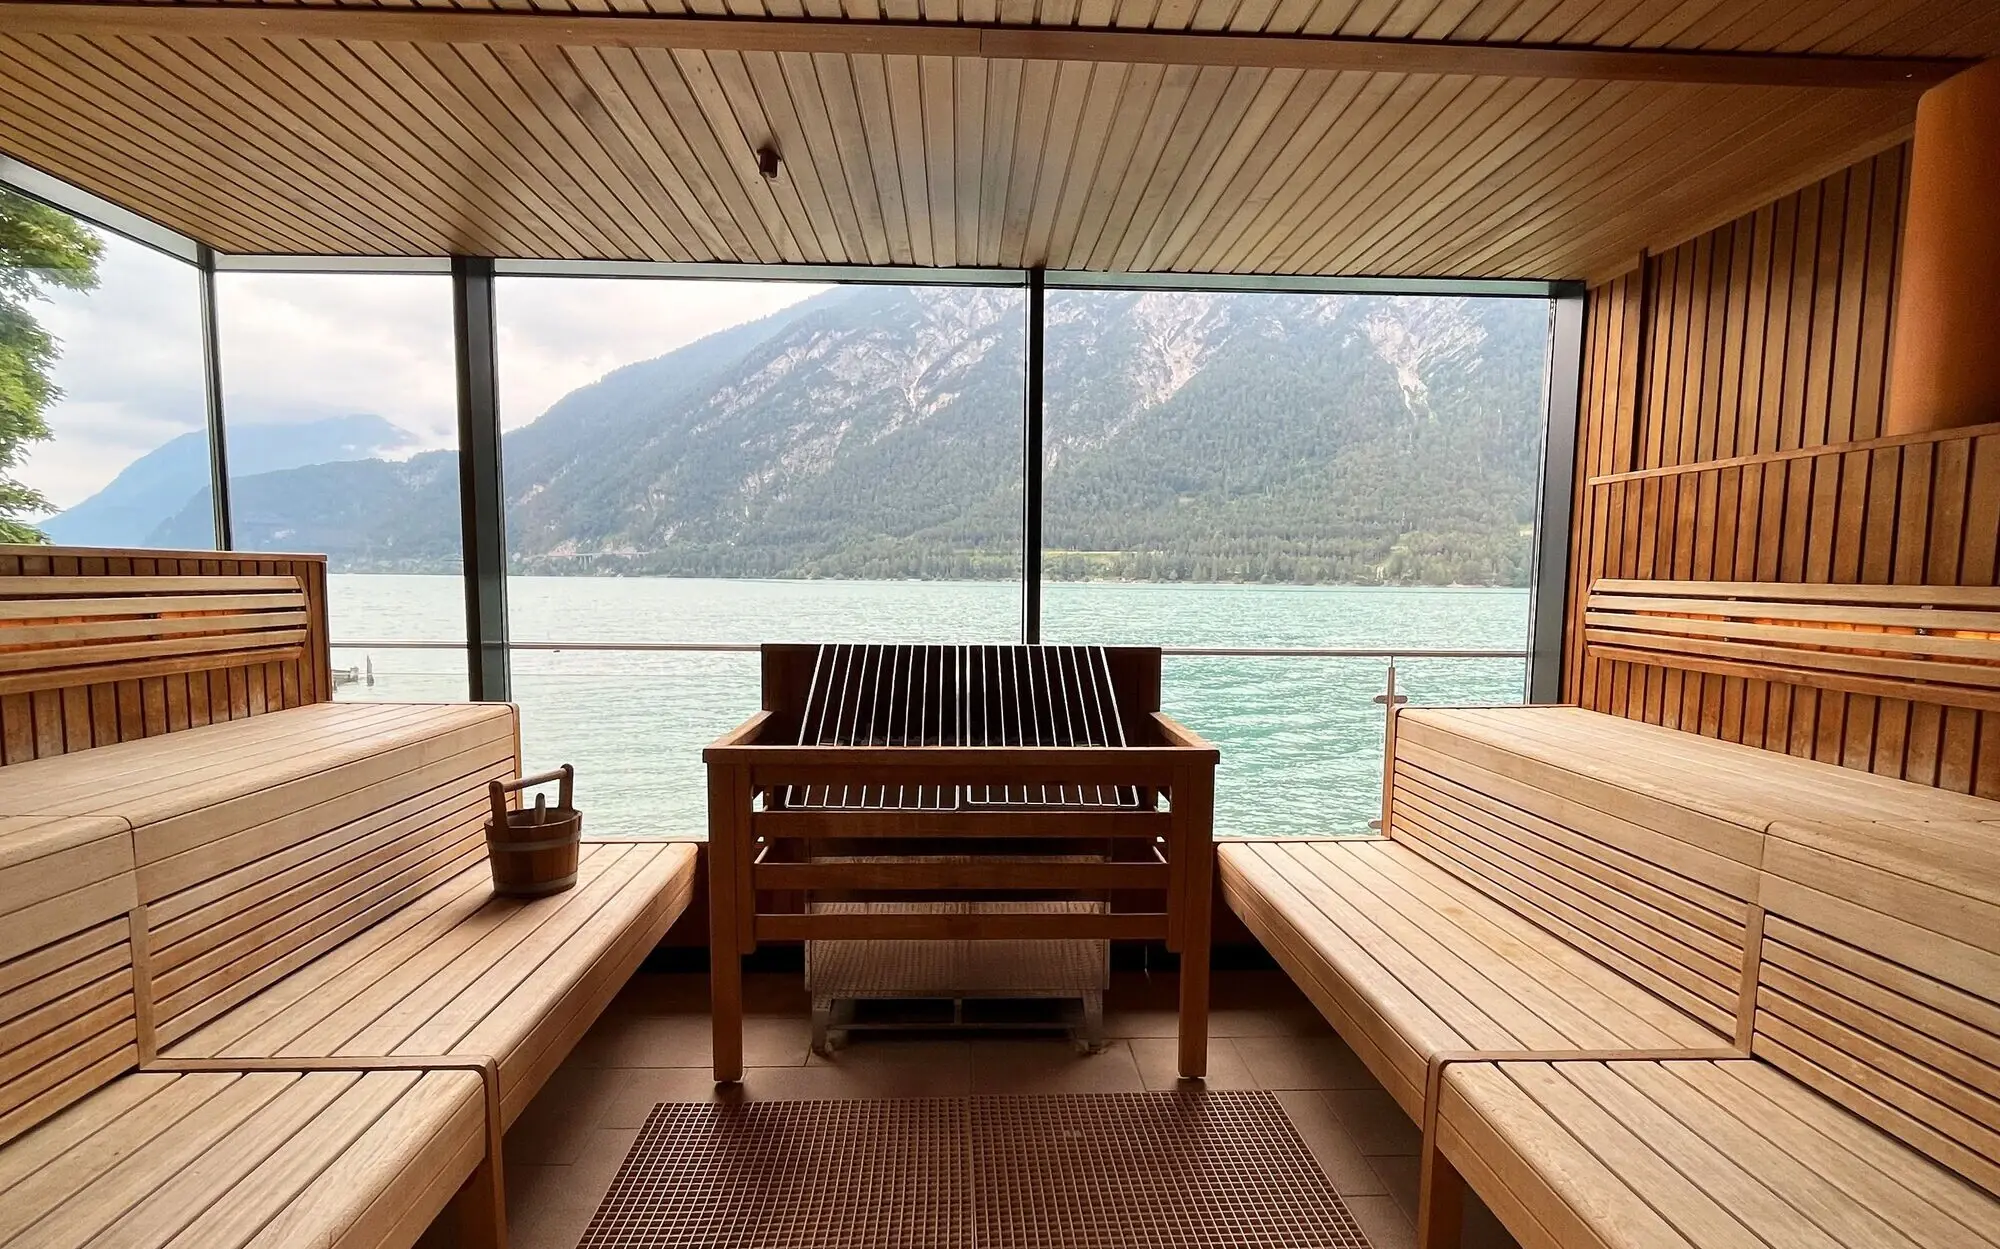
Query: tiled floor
pixel 653 1046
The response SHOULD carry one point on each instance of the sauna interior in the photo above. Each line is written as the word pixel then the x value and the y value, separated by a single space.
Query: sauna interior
pixel 1362 623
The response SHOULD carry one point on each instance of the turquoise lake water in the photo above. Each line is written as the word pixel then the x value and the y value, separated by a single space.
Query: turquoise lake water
pixel 1301 739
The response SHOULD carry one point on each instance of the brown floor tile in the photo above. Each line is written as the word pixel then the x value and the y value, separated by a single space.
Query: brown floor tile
pixel 1141 1023
pixel 598 1162
pixel 944 1075
pixel 635 1040
pixel 1400 1174
pixel 1376 1121
pixel 1277 1021
pixel 1159 1060
pixel 654 993
pixel 1383 1222
pixel 1052 1066
pixel 548 1226
pixel 1308 1062
pixel 906 1067
pixel 1340 1159
pixel 557 1124
pixel 645 1040
pixel 636 1090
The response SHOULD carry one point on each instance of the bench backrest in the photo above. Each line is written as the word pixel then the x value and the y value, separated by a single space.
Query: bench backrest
pixel 1938 644
pixel 105 646
pixel 1879 981
pixel 67 1021
pixel 241 892
pixel 1662 892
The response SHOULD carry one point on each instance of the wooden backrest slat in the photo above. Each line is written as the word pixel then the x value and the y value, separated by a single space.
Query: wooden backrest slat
pixel 114 584
pixel 101 646
pixel 1943 642
pixel 1971 596
pixel 124 603
pixel 1880 978
pixel 68 1020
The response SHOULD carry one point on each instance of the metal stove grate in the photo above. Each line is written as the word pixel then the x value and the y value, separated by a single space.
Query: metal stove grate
pixel 882 695
pixel 1081 1171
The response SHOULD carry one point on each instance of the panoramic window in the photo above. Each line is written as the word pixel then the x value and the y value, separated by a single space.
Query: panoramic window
pixel 1295 473
pixel 696 467
pixel 341 423
pixel 103 416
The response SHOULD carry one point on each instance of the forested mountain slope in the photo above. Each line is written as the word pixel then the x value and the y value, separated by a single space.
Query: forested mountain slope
pixel 876 432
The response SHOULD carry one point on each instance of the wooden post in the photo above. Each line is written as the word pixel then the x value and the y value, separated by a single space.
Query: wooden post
pixel 477 1217
pixel 1440 1198
pixel 1194 844
pixel 727 830
pixel 1390 700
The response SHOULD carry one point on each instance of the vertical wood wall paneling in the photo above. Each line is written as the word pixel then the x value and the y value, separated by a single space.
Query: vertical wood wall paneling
pixel 1732 412
pixel 41 723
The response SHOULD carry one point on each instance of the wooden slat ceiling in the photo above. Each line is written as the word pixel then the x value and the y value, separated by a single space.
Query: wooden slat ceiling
pixel 600 150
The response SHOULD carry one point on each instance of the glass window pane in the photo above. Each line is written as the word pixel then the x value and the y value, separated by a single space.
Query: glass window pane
pixel 342 419
pixel 1251 471
pixel 734 463
pixel 105 441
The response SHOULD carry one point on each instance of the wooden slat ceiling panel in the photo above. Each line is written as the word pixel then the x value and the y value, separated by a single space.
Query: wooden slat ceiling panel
pixel 319 146
pixel 1966 28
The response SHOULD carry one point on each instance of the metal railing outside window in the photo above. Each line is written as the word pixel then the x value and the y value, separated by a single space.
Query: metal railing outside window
pixel 1300 726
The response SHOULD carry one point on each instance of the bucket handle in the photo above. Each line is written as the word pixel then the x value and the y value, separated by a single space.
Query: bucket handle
pixel 497 791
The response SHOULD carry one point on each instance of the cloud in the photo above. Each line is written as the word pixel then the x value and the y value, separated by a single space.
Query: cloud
pixel 305 346
pixel 557 334
pixel 298 347
pixel 130 370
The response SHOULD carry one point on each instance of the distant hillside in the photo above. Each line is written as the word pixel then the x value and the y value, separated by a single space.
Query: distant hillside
pixel 156 488
pixel 875 432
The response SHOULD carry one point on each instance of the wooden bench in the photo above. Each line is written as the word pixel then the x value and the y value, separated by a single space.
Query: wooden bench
pixel 1937 643
pixel 1868 1113
pixel 1563 892
pixel 269 947
pixel 94 1152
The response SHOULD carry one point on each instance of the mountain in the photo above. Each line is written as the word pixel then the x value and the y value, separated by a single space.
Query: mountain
pixel 172 479
pixel 875 431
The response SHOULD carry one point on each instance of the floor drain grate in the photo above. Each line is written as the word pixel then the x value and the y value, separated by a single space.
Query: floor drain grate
pixel 1131 1170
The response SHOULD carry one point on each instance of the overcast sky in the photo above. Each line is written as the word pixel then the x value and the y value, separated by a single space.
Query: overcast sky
pixel 299 347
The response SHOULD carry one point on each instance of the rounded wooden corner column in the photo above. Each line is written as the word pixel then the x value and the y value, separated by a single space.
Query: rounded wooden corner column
pixel 1945 363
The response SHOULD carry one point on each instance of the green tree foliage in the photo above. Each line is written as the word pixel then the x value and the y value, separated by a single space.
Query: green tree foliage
pixel 40 248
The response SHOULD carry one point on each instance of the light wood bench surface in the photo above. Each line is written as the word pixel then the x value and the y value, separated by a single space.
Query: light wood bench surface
pixel 254 987
pixel 1867 1111
pixel 1410 963
pixel 228 1160
pixel 1612 759
pixel 1693 1155
pixel 460 972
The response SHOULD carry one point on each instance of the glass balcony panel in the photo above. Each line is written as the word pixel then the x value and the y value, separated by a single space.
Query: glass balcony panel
pixel 342 422
pixel 634 725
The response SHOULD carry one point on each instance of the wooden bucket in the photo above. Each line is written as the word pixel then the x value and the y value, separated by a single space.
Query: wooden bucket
pixel 533 850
